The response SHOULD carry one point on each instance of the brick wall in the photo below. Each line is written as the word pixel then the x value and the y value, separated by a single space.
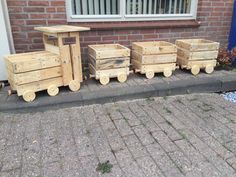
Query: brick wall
pixel 215 18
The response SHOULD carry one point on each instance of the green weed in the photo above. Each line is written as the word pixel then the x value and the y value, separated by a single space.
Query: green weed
pixel 104 167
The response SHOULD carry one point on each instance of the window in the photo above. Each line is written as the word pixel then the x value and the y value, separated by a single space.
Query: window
pixel 130 10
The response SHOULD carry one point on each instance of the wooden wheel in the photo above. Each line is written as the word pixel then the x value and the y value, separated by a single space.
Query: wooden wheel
pixel 122 77
pixel 53 90
pixel 195 70
pixel 74 85
pixel 104 80
pixel 209 69
pixel 150 74
pixel 167 72
pixel 29 96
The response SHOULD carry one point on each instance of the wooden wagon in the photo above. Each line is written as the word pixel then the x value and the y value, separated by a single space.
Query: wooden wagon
pixel 196 54
pixel 59 65
pixel 109 61
pixel 154 57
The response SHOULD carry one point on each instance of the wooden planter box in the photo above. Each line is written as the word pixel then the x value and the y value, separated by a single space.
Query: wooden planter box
pixel 59 65
pixel 196 54
pixel 109 61
pixel 154 57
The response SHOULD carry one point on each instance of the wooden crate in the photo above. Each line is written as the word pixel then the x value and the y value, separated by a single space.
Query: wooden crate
pixel 109 61
pixel 59 65
pixel 154 57
pixel 196 54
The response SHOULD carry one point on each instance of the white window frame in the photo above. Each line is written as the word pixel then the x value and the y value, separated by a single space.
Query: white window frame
pixel 124 17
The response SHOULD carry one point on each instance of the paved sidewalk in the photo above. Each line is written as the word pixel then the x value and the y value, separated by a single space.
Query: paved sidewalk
pixel 193 135
pixel 137 86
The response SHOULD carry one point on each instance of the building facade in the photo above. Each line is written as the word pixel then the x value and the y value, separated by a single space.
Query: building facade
pixel 130 21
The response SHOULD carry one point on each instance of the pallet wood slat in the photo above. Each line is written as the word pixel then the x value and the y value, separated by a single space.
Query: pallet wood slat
pixel 33 76
pixel 157 59
pixel 152 48
pixel 17 63
pixel 59 65
pixel 39 85
pixel 154 57
pixel 108 51
pixel 196 54
pixel 76 58
pixel 156 68
pixel 109 61
pixel 197 45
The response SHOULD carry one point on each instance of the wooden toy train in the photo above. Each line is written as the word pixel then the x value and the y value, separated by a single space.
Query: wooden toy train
pixel 60 63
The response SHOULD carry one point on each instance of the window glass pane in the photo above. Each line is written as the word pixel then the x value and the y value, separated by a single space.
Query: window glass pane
pixel 95 7
pixel 158 6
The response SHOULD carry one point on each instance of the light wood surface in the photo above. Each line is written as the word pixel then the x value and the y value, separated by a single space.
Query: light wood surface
pixel 152 48
pixel 197 44
pixel 61 29
pixel 108 51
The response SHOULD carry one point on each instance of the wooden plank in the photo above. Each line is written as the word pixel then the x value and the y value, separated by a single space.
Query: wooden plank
pixel 32 62
pixel 66 64
pixel 108 51
pixel 33 76
pixel 109 64
pixel 203 55
pixel 201 63
pixel 28 55
pixel 64 28
pixel 197 45
pixel 76 58
pixel 39 86
pixel 154 59
pixel 52 48
pixel 152 48
pixel 111 73
pixel 156 68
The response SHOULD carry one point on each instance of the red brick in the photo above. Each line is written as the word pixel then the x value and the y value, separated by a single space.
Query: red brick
pixel 39 16
pixel 57 22
pixel 110 38
pixel 36 22
pixel 34 9
pixel 16 3
pixel 19 16
pixel 58 3
pixel 58 16
pixel 51 9
pixel 38 3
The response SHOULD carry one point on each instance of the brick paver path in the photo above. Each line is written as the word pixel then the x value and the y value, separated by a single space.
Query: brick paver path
pixel 192 135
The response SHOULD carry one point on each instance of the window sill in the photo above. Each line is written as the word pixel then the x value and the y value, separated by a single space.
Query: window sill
pixel 141 25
